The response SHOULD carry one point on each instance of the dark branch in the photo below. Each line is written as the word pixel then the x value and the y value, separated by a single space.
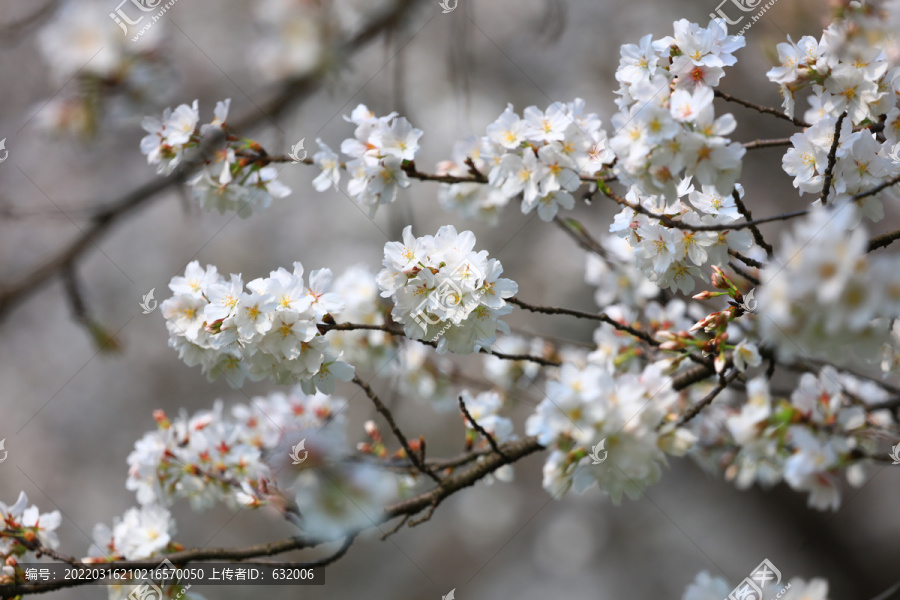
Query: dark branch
pixel 386 413
pixel 767 110
pixel 757 235
pixel 832 158
pixel 642 335
pixel 484 433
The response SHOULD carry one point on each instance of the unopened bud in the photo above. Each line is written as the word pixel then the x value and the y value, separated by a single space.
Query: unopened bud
pixel 161 419
pixel 704 295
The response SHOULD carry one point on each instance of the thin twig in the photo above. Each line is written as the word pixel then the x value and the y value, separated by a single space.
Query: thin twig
pixel 665 220
pixel 581 236
pixel 883 240
pixel 480 429
pixel 832 158
pixel 877 188
pixel 386 413
pixel 756 144
pixel 744 273
pixel 550 310
pixel 695 409
pixel 760 108
pixel 750 262
pixel 757 235
pixel 326 327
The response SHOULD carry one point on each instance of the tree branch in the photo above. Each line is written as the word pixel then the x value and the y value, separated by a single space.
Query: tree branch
pixel 386 413
pixel 480 429
pixel 113 212
pixel 757 235
pixel 514 451
pixel 642 335
pixel 832 158
pixel 760 108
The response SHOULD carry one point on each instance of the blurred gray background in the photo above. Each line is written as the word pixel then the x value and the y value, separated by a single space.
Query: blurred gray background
pixel 70 416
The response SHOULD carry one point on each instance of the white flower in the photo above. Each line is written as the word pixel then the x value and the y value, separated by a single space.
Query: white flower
pixel 746 355
pixel 329 163
pixel 810 468
pixel 508 130
pixel 143 532
pixel 400 139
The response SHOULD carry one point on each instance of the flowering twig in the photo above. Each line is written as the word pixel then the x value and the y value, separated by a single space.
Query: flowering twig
pixel 113 212
pixel 743 273
pixel 832 157
pixel 386 413
pixel 757 235
pixel 550 310
pixel 877 188
pixel 695 409
pixel 325 327
pixel 665 220
pixel 760 108
pixel 480 429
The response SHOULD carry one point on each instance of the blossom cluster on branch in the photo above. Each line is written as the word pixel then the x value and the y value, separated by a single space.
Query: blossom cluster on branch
pixel 665 375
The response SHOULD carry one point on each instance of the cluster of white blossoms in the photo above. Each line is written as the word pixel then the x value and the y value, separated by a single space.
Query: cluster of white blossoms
pixel 377 152
pixel 540 156
pixel 268 330
pixel 444 291
pixel 671 257
pixel 845 70
pixel 823 296
pixel 807 441
pixel 284 450
pixel 21 522
pixel 227 181
pixel 591 410
pixel 666 127
pixel 862 162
